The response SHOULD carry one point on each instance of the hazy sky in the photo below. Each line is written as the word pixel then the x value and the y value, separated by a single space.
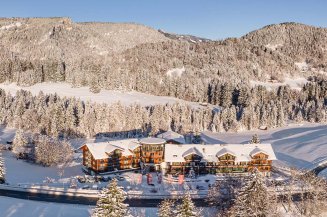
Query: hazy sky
pixel 215 19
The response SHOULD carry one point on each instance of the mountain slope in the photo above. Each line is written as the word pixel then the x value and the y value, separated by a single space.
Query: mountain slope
pixel 297 41
pixel 135 57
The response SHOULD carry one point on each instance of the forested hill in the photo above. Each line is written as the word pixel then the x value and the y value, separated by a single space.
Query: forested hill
pixel 245 76
pixel 135 57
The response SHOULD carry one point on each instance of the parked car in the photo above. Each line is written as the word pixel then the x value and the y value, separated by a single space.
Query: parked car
pixel 153 190
pixel 81 179
pixel 95 187
pixel 99 178
pixel 120 178
pixel 86 187
pixel 90 179
pixel 106 178
pixel 200 187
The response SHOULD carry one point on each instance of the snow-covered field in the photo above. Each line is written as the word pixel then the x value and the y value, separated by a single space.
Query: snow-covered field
pixel 294 83
pixel 298 145
pixel 12 207
pixel 105 96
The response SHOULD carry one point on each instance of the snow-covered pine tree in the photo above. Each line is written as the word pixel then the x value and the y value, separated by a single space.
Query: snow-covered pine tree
pixel 187 208
pixel 255 139
pixel 2 170
pixel 111 202
pixel 166 208
pixel 20 141
pixel 254 199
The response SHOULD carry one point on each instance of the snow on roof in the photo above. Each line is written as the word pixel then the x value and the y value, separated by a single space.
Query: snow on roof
pixel 171 135
pixel 242 152
pixel 192 150
pixel 257 151
pixel 225 151
pixel 130 144
pixel 100 150
pixel 152 141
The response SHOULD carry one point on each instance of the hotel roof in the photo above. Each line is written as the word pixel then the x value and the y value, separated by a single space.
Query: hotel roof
pixel 101 150
pixel 171 135
pixel 242 152
pixel 152 141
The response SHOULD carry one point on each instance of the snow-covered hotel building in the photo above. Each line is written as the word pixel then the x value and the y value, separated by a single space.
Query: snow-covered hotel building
pixel 170 155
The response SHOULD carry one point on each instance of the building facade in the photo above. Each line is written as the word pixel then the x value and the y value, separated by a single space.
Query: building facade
pixel 154 154
pixel 218 158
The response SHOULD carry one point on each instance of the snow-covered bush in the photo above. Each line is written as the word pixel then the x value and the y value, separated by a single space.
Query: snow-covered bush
pixel 50 151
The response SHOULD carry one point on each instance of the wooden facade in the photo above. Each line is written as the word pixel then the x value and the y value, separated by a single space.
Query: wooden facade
pixel 224 164
pixel 114 160
pixel 179 159
pixel 152 154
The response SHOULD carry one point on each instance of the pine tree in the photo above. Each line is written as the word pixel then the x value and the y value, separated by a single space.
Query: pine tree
pixel 255 139
pixel 110 202
pixel 187 208
pixel 166 208
pixel 2 170
pixel 254 199
pixel 20 141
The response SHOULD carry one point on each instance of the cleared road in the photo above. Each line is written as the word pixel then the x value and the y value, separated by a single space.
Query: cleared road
pixel 133 202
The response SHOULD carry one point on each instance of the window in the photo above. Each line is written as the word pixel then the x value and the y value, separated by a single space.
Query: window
pixel 174 155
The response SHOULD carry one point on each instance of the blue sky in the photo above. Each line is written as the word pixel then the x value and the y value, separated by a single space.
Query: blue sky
pixel 214 19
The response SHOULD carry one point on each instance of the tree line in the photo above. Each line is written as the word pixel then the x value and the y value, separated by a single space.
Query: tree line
pixel 240 108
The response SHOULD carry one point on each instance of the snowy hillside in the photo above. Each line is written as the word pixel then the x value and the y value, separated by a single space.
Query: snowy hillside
pixel 105 96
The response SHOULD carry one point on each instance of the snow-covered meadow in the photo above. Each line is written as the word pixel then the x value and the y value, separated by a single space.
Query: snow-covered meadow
pixel 298 145
pixel 105 96
pixel 294 83
pixel 12 207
